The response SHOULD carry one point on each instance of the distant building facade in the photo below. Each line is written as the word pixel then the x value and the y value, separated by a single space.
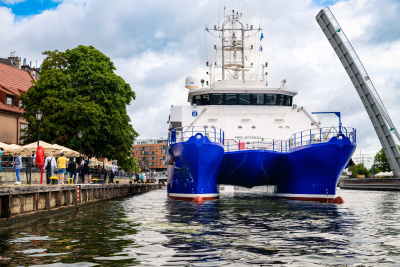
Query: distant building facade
pixel 15 78
pixel 150 154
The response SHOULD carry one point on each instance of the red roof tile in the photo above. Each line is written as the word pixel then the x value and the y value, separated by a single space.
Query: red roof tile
pixel 13 109
pixel 14 78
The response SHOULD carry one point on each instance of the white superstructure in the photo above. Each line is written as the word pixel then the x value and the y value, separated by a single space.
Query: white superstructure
pixel 238 99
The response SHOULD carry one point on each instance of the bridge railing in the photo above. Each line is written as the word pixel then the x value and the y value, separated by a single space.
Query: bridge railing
pixel 303 138
pixel 182 134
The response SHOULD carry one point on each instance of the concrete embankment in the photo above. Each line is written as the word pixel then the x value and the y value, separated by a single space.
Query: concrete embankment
pixel 382 184
pixel 21 203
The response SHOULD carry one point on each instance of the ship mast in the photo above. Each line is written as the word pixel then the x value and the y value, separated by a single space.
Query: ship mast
pixel 233 35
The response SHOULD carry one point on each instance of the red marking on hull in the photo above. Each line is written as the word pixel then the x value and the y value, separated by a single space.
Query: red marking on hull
pixel 337 200
pixel 192 198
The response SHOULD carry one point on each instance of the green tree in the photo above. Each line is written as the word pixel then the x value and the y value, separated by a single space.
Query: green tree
pixel 128 164
pixel 358 169
pixel 381 163
pixel 78 90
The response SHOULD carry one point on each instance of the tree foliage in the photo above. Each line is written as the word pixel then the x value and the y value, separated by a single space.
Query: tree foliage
pixel 128 164
pixel 78 90
pixel 358 169
pixel 381 163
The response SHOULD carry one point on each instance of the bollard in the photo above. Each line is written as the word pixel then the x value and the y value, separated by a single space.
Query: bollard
pixel 77 197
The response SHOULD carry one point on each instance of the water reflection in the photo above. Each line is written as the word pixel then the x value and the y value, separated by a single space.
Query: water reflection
pixel 152 230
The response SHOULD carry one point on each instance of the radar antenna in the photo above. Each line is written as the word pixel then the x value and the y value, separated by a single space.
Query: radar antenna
pixel 233 38
pixel 373 104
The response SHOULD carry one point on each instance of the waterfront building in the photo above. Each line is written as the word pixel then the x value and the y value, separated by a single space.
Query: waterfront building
pixel 15 78
pixel 150 154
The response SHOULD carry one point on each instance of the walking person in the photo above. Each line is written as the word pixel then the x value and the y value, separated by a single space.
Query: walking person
pixel 72 170
pixel 18 167
pixel 112 174
pixel 50 165
pixel 62 167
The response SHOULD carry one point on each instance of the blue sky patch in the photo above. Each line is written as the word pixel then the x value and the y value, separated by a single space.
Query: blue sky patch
pixel 324 3
pixel 29 7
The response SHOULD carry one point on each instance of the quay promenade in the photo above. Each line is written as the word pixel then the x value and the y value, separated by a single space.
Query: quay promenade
pixel 21 203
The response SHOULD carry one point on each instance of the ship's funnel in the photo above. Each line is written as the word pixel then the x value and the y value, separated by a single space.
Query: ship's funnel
pixel 190 83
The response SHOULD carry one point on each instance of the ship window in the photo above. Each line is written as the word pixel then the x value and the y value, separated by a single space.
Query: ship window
pixel 217 99
pixel 205 100
pixel 288 100
pixel 197 99
pixel 271 99
pixel 231 99
pixel 257 99
pixel 281 100
pixel 244 99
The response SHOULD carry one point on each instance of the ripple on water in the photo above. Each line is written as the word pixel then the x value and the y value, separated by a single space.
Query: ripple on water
pixel 150 229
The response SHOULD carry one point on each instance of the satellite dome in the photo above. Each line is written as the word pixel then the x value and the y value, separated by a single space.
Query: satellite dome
pixel 190 83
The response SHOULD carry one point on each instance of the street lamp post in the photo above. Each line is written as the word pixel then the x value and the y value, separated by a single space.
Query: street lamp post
pixel 80 135
pixel 38 115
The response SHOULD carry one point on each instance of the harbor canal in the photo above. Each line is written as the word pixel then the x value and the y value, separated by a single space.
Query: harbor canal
pixel 236 230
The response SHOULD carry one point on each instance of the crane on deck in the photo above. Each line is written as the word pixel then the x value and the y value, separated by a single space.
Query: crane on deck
pixel 373 104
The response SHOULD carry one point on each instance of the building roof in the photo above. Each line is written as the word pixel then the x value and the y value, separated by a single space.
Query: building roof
pixel 14 79
pixel 7 62
pixel 13 109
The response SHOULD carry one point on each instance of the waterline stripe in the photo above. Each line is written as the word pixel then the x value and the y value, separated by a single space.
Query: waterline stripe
pixel 305 195
pixel 192 195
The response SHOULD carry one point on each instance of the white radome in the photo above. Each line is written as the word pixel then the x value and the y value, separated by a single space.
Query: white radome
pixel 190 83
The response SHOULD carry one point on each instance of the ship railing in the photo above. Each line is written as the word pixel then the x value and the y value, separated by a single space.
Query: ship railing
pixel 303 138
pixel 182 134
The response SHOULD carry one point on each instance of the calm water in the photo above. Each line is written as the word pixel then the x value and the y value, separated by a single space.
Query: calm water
pixel 151 230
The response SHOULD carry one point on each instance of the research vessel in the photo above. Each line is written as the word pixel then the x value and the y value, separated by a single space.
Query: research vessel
pixel 240 131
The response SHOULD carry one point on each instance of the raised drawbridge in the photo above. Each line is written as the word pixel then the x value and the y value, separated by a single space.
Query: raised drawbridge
pixel 380 119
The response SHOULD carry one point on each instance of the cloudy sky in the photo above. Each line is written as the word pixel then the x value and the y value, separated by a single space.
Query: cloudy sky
pixel 155 44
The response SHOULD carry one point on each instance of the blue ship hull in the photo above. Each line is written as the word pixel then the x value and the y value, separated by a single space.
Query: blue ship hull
pixel 308 172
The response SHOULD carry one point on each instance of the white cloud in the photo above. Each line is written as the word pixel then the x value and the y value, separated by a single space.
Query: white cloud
pixel 156 44
pixel 10 2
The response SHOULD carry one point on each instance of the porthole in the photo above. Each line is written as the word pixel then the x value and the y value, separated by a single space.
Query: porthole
pixel 240 127
pixel 253 127
pixel 287 127
pixel 280 127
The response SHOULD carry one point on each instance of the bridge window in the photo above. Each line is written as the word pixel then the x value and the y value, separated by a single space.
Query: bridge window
pixel 217 99
pixel 231 99
pixel 257 99
pixel 244 99
pixel 270 99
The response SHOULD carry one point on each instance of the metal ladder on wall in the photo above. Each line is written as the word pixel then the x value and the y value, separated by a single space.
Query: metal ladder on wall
pixel 373 104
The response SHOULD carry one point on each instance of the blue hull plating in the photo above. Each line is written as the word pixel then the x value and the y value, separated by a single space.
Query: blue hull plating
pixel 309 172
pixel 197 164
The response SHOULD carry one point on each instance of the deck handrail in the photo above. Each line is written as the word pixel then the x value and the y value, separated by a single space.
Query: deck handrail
pixel 296 140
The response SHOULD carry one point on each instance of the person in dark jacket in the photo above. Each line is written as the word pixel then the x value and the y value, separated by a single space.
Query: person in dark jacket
pixel 82 172
pixel 72 170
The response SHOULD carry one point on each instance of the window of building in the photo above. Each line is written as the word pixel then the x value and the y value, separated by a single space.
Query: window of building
pixel 23 127
pixel 10 100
